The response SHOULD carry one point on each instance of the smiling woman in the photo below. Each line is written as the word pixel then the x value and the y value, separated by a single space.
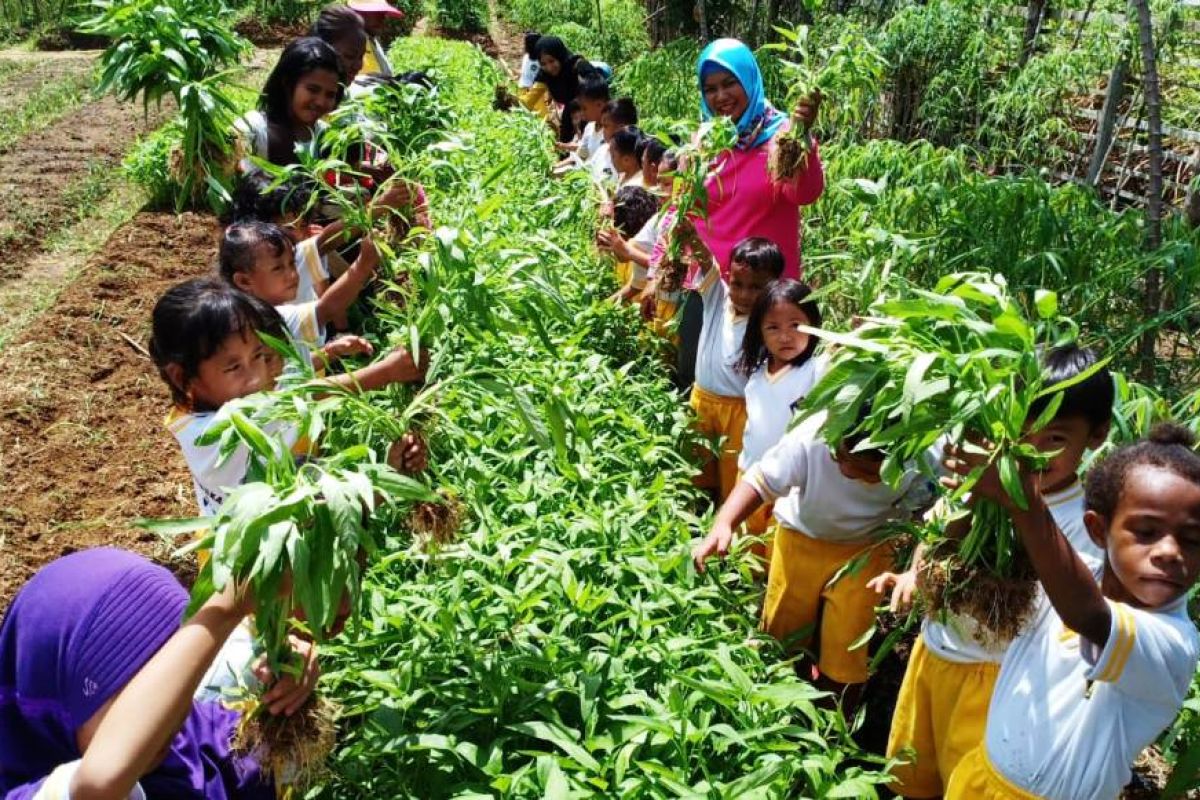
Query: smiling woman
pixel 307 84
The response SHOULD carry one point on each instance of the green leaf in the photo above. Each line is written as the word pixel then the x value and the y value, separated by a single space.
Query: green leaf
pixel 567 741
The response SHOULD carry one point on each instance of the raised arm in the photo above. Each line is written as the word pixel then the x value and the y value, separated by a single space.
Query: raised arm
pixel 341 295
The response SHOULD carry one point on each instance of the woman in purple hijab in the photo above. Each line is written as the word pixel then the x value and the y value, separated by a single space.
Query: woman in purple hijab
pixel 97 674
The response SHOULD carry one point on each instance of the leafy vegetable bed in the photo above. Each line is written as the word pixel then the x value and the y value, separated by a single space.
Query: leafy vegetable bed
pixel 560 646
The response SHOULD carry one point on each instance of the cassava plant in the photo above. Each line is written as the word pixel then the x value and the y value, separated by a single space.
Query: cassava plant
pixel 849 72
pixel 961 364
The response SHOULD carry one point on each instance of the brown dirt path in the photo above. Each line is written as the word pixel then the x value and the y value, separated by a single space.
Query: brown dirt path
pixel 82 448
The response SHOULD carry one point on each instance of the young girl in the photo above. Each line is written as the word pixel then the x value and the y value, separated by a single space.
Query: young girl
pixel 343 30
pixel 718 396
pixel 626 148
pixel 206 346
pixel 593 98
pixel 306 84
pixel 632 210
pixel 780 368
pixel 1108 659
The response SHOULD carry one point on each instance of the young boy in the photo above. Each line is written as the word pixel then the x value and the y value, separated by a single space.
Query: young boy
pixel 1108 660
pixel 375 15
pixel 718 393
pixel 830 505
pixel 943 702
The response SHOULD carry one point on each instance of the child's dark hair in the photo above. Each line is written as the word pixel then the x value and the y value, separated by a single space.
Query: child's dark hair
pixel 781 292
pixel 572 108
pixel 239 241
pixel 1169 446
pixel 299 58
pixel 760 255
pixel 531 40
pixel 595 89
pixel 627 142
pixel 622 111
pixel 336 23
pixel 1091 398
pixel 192 320
pixel 254 199
pixel 655 148
pixel 632 209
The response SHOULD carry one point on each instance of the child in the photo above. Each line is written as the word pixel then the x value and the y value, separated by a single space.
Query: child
pixel 625 149
pixel 375 15
pixel 593 98
pixel 718 394
pixel 206 346
pixel 942 707
pixel 632 210
pixel 529 61
pixel 830 506
pixel 1108 660
pixel 343 30
pixel 780 368
pixel 659 306
pixel 618 114
pixel 259 259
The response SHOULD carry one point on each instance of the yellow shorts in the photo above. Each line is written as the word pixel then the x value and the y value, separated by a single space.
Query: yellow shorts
pixel 622 272
pixel 724 418
pixel 940 715
pixel 976 779
pixel 802 605
pixel 664 315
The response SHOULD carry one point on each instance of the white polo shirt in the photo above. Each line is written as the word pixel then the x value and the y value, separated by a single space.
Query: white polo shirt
pixel 770 404
pixel 720 340
pixel 305 330
pixel 1068 719
pixel 812 495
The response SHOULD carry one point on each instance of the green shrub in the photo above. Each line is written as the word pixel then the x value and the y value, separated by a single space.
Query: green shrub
pixel 461 16
pixel 662 81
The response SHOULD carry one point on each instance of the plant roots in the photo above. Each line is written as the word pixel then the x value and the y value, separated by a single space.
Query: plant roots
pixel 1000 605
pixel 292 749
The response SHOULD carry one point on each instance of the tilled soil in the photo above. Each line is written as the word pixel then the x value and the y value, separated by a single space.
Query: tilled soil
pixel 83 452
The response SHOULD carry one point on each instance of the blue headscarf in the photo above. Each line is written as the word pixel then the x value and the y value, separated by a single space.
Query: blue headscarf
pixel 761 120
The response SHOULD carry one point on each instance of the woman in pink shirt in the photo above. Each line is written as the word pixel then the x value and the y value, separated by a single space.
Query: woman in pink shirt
pixel 743 200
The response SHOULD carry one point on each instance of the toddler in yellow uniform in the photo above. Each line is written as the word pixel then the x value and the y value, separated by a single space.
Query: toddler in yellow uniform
pixel 830 506
pixel 1108 659
pixel 944 698
pixel 718 395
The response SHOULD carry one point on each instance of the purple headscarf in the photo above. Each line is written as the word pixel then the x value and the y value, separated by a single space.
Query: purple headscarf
pixel 74 636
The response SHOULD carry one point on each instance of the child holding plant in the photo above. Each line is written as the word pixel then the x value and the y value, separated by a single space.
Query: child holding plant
pixel 618 114
pixel 830 508
pixel 943 702
pixel 625 149
pixel 307 83
pixel 632 211
pixel 206 345
pixel 594 96
pixel 1108 659
pixel 780 366
pixel 718 396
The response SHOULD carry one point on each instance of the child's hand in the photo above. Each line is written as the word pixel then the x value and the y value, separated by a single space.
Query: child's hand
pixel 288 694
pixel 647 304
pixel 961 462
pixel 400 367
pixel 347 346
pixel 408 454
pixel 611 241
pixel 903 586
pixel 368 255
pixel 808 108
pixel 718 542
pixel 607 209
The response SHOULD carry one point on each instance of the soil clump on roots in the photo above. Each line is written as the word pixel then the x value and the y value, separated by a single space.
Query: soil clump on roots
pixel 1000 605
pixel 291 749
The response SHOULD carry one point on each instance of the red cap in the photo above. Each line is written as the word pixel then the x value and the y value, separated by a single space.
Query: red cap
pixel 376 7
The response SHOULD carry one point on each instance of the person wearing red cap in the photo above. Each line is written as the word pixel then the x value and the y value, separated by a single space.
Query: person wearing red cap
pixel 375 14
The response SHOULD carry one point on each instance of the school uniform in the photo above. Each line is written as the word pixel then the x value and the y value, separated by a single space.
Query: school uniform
pixel 824 522
pixel 666 304
pixel 770 405
pixel 214 476
pixel 590 141
pixel 717 396
pixel 304 330
pixel 600 164
pixel 1070 717
pixel 528 73
pixel 942 708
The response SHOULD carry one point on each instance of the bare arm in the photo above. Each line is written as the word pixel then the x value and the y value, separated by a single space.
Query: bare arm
pixel 144 716
pixel 743 501
pixel 396 367
pixel 344 291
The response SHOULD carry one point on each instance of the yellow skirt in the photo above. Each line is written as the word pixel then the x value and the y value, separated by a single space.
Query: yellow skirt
pixel 804 601
pixel 724 418
pixel 940 716
pixel 976 778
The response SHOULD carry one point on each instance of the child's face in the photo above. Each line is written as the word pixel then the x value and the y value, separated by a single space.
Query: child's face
pixel 745 286
pixel 315 96
pixel 242 366
pixel 1071 436
pixel 857 466
pixel 626 163
pixel 1153 539
pixel 649 169
pixel 592 110
pixel 666 176
pixel 350 50
pixel 608 127
pixel 779 333
pixel 274 278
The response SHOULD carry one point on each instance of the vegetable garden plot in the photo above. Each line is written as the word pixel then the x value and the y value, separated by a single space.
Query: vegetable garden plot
pixel 560 646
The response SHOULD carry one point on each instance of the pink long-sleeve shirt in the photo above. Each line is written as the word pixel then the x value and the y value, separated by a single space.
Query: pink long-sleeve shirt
pixel 744 202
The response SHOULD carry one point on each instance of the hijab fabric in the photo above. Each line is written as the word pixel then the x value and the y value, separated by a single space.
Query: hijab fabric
pixel 564 87
pixel 761 120
pixel 73 637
